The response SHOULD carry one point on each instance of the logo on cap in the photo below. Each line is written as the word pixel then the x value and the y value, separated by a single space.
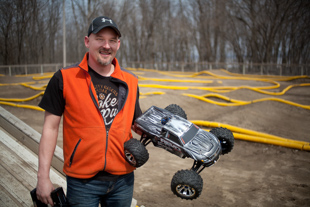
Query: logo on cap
pixel 109 20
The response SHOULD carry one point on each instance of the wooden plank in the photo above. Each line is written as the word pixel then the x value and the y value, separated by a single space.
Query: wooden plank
pixel 15 188
pixel 30 160
pixel 27 136
pixel 6 199
pixel 18 168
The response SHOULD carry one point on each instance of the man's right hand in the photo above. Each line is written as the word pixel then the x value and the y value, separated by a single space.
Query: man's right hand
pixel 44 189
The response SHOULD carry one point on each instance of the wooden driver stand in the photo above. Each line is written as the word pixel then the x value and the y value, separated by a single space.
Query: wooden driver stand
pixel 19 145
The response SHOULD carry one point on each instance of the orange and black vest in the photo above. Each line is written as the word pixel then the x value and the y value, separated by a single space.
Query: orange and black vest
pixel 88 146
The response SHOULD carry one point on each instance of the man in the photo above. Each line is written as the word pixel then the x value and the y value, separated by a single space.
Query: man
pixel 99 101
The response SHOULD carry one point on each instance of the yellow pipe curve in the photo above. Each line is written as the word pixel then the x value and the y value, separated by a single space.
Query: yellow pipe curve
pixel 22 106
pixel 22 99
pixel 234 102
pixel 254 136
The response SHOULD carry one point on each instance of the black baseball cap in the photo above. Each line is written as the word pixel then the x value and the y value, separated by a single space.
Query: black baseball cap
pixel 101 22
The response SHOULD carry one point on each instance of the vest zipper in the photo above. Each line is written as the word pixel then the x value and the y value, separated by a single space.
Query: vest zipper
pixel 73 153
pixel 106 150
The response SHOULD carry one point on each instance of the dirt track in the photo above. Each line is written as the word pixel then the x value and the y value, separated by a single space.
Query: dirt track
pixel 253 174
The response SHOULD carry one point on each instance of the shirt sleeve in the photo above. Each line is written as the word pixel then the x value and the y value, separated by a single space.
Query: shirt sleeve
pixel 138 111
pixel 52 100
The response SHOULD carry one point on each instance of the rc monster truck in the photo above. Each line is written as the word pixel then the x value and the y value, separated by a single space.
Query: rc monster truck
pixel 169 129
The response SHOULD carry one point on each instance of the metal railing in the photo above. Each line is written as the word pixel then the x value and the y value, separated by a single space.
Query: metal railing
pixel 29 69
pixel 242 68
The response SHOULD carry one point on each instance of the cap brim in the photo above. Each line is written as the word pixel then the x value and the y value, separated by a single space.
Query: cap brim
pixel 104 26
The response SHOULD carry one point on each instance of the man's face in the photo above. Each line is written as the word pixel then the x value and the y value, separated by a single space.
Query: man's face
pixel 102 46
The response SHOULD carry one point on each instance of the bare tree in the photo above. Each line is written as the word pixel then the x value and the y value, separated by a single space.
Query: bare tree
pixel 161 31
pixel 269 27
pixel 6 26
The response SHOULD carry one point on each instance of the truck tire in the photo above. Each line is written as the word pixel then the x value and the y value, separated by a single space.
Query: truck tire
pixel 176 110
pixel 226 138
pixel 187 184
pixel 135 153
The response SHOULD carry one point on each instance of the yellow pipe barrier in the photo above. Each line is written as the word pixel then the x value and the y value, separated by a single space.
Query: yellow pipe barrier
pixel 258 89
pixel 173 80
pixel 239 103
pixel 27 84
pixel 35 74
pixel 275 77
pixel 212 75
pixel 226 89
pixel 144 95
pixel 244 77
pixel 239 76
pixel 22 99
pixel 219 89
pixel 163 86
pixel 254 136
pixel 15 84
pixel 152 93
pixel 292 144
pixel 22 106
pixel 198 74
pixel 241 130
pixel 42 77
pixel 33 87
pixel 216 88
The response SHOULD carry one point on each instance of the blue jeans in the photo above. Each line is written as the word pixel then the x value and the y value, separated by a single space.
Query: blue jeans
pixel 81 193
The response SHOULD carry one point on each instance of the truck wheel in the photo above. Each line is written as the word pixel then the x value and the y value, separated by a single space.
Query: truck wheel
pixel 135 153
pixel 187 184
pixel 226 138
pixel 176 110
